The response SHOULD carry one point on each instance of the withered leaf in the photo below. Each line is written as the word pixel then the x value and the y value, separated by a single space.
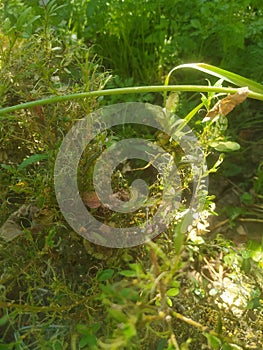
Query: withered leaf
pixel 227 104
pixel 91 200
pixel 13 226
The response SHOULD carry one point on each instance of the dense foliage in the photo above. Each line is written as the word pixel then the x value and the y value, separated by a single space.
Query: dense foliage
pixel 142 42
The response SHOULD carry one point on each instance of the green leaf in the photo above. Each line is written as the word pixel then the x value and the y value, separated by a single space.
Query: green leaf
pixel 83 329
pixel 246 265
pixel 180 230
pixel 178 238
pixel 161 345
pixel 105 275
pixel 126 292
pixel 172 292
pixel 57 345
pixel 89 339
pixel 247 198
pixel 169 302
pixel 213 342
pixel 254 304
pixel 228 146
pixel 3 320
pixel 117 314
pixel 129 330
pixel 128 273
pixel 175 284
pixel 7 167
pixel 96 326
pixel 255 250
pixel 136 267
pixel 32 159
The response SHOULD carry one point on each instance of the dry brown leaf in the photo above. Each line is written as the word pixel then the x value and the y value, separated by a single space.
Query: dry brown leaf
pixel 91 200
pixel 13 226
pixel 227 104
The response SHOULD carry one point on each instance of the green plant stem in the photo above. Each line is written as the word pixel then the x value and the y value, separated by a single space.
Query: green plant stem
pixel 74 339
pixel 32 308
pixel 122 91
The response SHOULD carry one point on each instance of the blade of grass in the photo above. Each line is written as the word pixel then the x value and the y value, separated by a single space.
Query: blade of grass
pixel 190 116
pixel 120 91
pixel 222 74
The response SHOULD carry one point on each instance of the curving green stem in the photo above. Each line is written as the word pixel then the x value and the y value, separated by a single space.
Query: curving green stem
pixel 122 91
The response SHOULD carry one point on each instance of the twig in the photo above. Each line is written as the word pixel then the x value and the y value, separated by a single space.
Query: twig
pixel 220 224
pixel 250 220
pixel 203 328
